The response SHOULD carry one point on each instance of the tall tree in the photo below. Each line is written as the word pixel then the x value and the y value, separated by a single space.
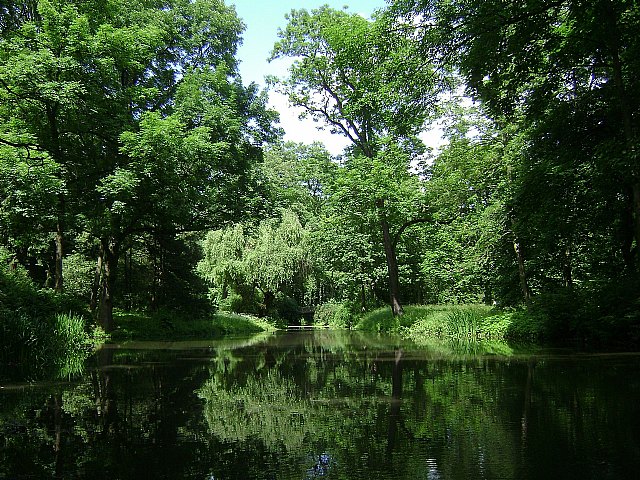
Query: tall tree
pixel 367 198
pixel 361 79
pixel 141 108
pixel 569 68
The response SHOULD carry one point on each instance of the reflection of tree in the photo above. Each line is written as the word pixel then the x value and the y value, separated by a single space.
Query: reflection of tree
pixel 395 416
pixel 294 409
pixel 267 408
pixel 106 402
pixel 464 420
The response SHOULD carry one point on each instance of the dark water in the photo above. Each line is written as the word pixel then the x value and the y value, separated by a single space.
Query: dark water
pixel 327 405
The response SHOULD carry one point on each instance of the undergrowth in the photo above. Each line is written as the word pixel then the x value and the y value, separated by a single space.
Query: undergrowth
pixel 474 322
pixel 166 325
pixel 43 334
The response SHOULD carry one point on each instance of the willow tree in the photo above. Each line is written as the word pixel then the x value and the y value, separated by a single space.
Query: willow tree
pixel 361 79
pixel 277 258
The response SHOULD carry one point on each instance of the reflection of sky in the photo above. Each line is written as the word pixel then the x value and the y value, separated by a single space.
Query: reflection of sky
pixel 432 469
pixel 322 466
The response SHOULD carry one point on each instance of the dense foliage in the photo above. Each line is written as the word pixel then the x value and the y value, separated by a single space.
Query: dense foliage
pixel 122 125
pixel 138 171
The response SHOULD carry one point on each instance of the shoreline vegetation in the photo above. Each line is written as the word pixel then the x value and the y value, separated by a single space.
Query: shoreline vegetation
pixel 420 323
pixel 47 334
pixel 51 335
pixel 146 190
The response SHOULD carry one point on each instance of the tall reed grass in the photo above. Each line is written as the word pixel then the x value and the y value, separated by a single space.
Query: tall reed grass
pixel 465 322
pixel 39 340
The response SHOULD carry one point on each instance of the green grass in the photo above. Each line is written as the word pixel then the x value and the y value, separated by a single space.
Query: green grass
pixel 462 322
pixel 170 326
pixel 44 334
pixel 432 320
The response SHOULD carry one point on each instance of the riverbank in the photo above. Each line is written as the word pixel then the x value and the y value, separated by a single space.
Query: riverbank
pixel 538 324
pixel 174 326
pixel 477 322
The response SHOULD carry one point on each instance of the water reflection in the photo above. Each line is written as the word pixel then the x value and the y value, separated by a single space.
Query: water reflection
pixel 327 405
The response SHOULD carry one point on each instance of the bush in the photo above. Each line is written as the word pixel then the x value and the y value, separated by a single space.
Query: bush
pixel 232 303
pixel 42 333
pixel 79 274
pixel 287 309
pixel 379 320
pixel 333 314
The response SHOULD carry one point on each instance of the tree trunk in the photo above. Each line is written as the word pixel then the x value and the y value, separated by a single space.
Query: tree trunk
pixel 127 277
pixel 636 211
pixel 267 303
pixel 95 290
pixel 55 151
pixel 567 271
pixel 627 126
pixel 59 239
pixel 627 234
pixel 392 268
pixel 110 250
pixel 521 270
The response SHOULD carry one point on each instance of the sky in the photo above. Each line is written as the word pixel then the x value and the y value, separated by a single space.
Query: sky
pixel 262 19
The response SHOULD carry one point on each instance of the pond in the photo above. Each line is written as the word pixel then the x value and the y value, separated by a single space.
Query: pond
pixel 325 404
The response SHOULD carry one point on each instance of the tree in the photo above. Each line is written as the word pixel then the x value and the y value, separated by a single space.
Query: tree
pixel 29 184
pixel 377 100
pixel 296 177
pixel 276 259
pixel 366 197
pixel 565 68
pixel 142 111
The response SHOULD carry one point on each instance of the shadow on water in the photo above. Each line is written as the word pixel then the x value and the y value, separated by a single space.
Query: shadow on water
pixel 327 404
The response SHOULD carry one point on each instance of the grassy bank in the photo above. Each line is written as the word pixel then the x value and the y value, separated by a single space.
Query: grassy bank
pixel 548 320
pixel 172 326
pixel 477 322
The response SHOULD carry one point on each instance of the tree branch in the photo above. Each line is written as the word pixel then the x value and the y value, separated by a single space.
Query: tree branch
pixel 410 223
pixel 26 146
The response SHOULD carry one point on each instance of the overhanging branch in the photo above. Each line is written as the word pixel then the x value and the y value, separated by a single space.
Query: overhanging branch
pixel 27 146
pixel 410 223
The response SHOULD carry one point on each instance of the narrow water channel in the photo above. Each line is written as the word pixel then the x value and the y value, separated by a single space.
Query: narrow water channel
pixel 326 404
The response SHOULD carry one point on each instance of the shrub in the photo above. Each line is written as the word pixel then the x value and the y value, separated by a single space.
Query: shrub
pixel 379 320
pixel 78 275
pixel 232 303
pixel 333 314
pixel 37 338
pixel 287 309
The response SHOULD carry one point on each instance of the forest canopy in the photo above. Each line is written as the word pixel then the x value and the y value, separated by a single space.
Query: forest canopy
pixel 138 171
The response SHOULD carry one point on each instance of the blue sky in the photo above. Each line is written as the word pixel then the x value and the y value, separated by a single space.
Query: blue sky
pixel 262 19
